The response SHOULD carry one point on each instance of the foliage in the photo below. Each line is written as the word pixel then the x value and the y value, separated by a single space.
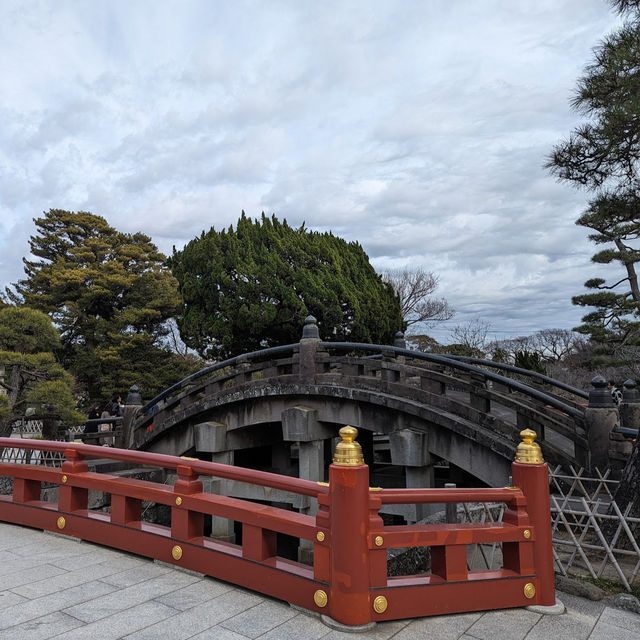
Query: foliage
pixel 252 287
pixel 26 330
pixel 103 289
pixel 415 289
pixel 32 377
pixel 551 345
pixel 421 342
pixel 529 360
pixel 602 156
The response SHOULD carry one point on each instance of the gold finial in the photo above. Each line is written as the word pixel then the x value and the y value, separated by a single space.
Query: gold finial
pixel 348 453
pixel 528 451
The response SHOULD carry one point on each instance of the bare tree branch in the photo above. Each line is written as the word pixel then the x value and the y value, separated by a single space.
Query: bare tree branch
pixel 414 288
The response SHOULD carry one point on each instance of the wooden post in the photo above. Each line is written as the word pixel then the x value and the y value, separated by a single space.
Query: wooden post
pixel 531 475
pixel 348 598
pixel 186 524
pixel 72 498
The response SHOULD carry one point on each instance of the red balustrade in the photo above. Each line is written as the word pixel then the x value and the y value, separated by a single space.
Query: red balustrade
pixel 348 581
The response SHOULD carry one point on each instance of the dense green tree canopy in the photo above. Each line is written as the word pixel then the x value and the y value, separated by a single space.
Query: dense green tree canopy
pixel 602 155
pixel 31 376
pixel 252 286
pixel 105 291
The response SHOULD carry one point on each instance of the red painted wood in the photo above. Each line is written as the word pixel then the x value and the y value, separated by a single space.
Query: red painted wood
pixel 349 555
pixel 439 534
pixel 449 562
pixel 349 568
pixel 533 479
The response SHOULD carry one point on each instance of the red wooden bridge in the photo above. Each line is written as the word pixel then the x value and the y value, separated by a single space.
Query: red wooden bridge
pixel 348 580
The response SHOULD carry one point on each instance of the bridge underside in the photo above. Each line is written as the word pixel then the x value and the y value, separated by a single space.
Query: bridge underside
pixel 289 429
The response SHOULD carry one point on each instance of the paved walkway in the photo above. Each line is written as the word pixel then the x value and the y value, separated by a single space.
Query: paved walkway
pixel 56 587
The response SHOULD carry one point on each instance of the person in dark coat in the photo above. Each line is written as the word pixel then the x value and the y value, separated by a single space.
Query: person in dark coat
pixel 92 427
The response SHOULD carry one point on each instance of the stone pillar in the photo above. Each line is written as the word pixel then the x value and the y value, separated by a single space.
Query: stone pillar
pixel 601 416
pixel 211 437
pixel 132 406
pixel 409 449
pixel 630 406
pixel 308 348
pixel 621 444
pixel 311 459
pixel 221 528
pixel 300 424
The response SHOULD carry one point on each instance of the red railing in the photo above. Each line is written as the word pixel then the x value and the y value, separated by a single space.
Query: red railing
pixel 348 580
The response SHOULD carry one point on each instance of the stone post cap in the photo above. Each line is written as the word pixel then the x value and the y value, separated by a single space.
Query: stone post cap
pixel 600 396
pixel 399 341
pixel 134 397
pixel 310 329
pixel 630 393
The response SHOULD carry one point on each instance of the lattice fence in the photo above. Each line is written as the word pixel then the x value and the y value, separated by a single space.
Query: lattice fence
pixel 581 510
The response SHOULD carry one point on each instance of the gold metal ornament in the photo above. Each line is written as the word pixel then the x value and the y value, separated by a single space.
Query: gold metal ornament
pixel 527 534
pixel 380 604
pixel 64 478
pixel 187 458
pixel 379 541
pixel 529 590
pixel 348 453
pixel 61 523
pixel 178 500
pixel 320 598
pixel 320 536
pixel 528 451
pixel 176 552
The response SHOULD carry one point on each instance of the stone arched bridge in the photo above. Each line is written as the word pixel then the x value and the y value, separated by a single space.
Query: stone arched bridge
pixel 279 408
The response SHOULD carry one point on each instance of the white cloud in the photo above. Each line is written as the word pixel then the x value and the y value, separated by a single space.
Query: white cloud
pixel 418 129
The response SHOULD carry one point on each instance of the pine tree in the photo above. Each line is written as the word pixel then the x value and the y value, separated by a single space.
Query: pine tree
pixel 105 291
pixel 602 157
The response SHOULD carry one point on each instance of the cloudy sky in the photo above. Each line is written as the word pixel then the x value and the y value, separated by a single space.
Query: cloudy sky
pixel 418 128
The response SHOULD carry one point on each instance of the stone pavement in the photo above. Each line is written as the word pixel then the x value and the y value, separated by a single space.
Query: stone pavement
pixel 57 587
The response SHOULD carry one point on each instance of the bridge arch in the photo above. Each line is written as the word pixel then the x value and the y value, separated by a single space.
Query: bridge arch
pixel 428 406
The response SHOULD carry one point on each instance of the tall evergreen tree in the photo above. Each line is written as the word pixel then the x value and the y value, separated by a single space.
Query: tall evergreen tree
pixel 105 291
pixel 252 286
pixel 602 156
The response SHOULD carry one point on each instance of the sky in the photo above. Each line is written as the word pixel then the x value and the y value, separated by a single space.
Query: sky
pixel 418 128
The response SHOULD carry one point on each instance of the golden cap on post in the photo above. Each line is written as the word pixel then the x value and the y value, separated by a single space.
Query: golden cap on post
pixel 348 453
pixel 528 451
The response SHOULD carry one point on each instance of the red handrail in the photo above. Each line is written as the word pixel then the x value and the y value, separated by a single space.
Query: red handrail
pixel 348 580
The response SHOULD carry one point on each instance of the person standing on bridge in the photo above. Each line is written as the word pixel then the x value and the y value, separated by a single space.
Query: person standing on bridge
pixel 616 394
pixel 92 427
pixel 117 408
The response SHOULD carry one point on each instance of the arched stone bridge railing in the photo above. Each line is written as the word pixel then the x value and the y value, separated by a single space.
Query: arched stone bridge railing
pixel 460 410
